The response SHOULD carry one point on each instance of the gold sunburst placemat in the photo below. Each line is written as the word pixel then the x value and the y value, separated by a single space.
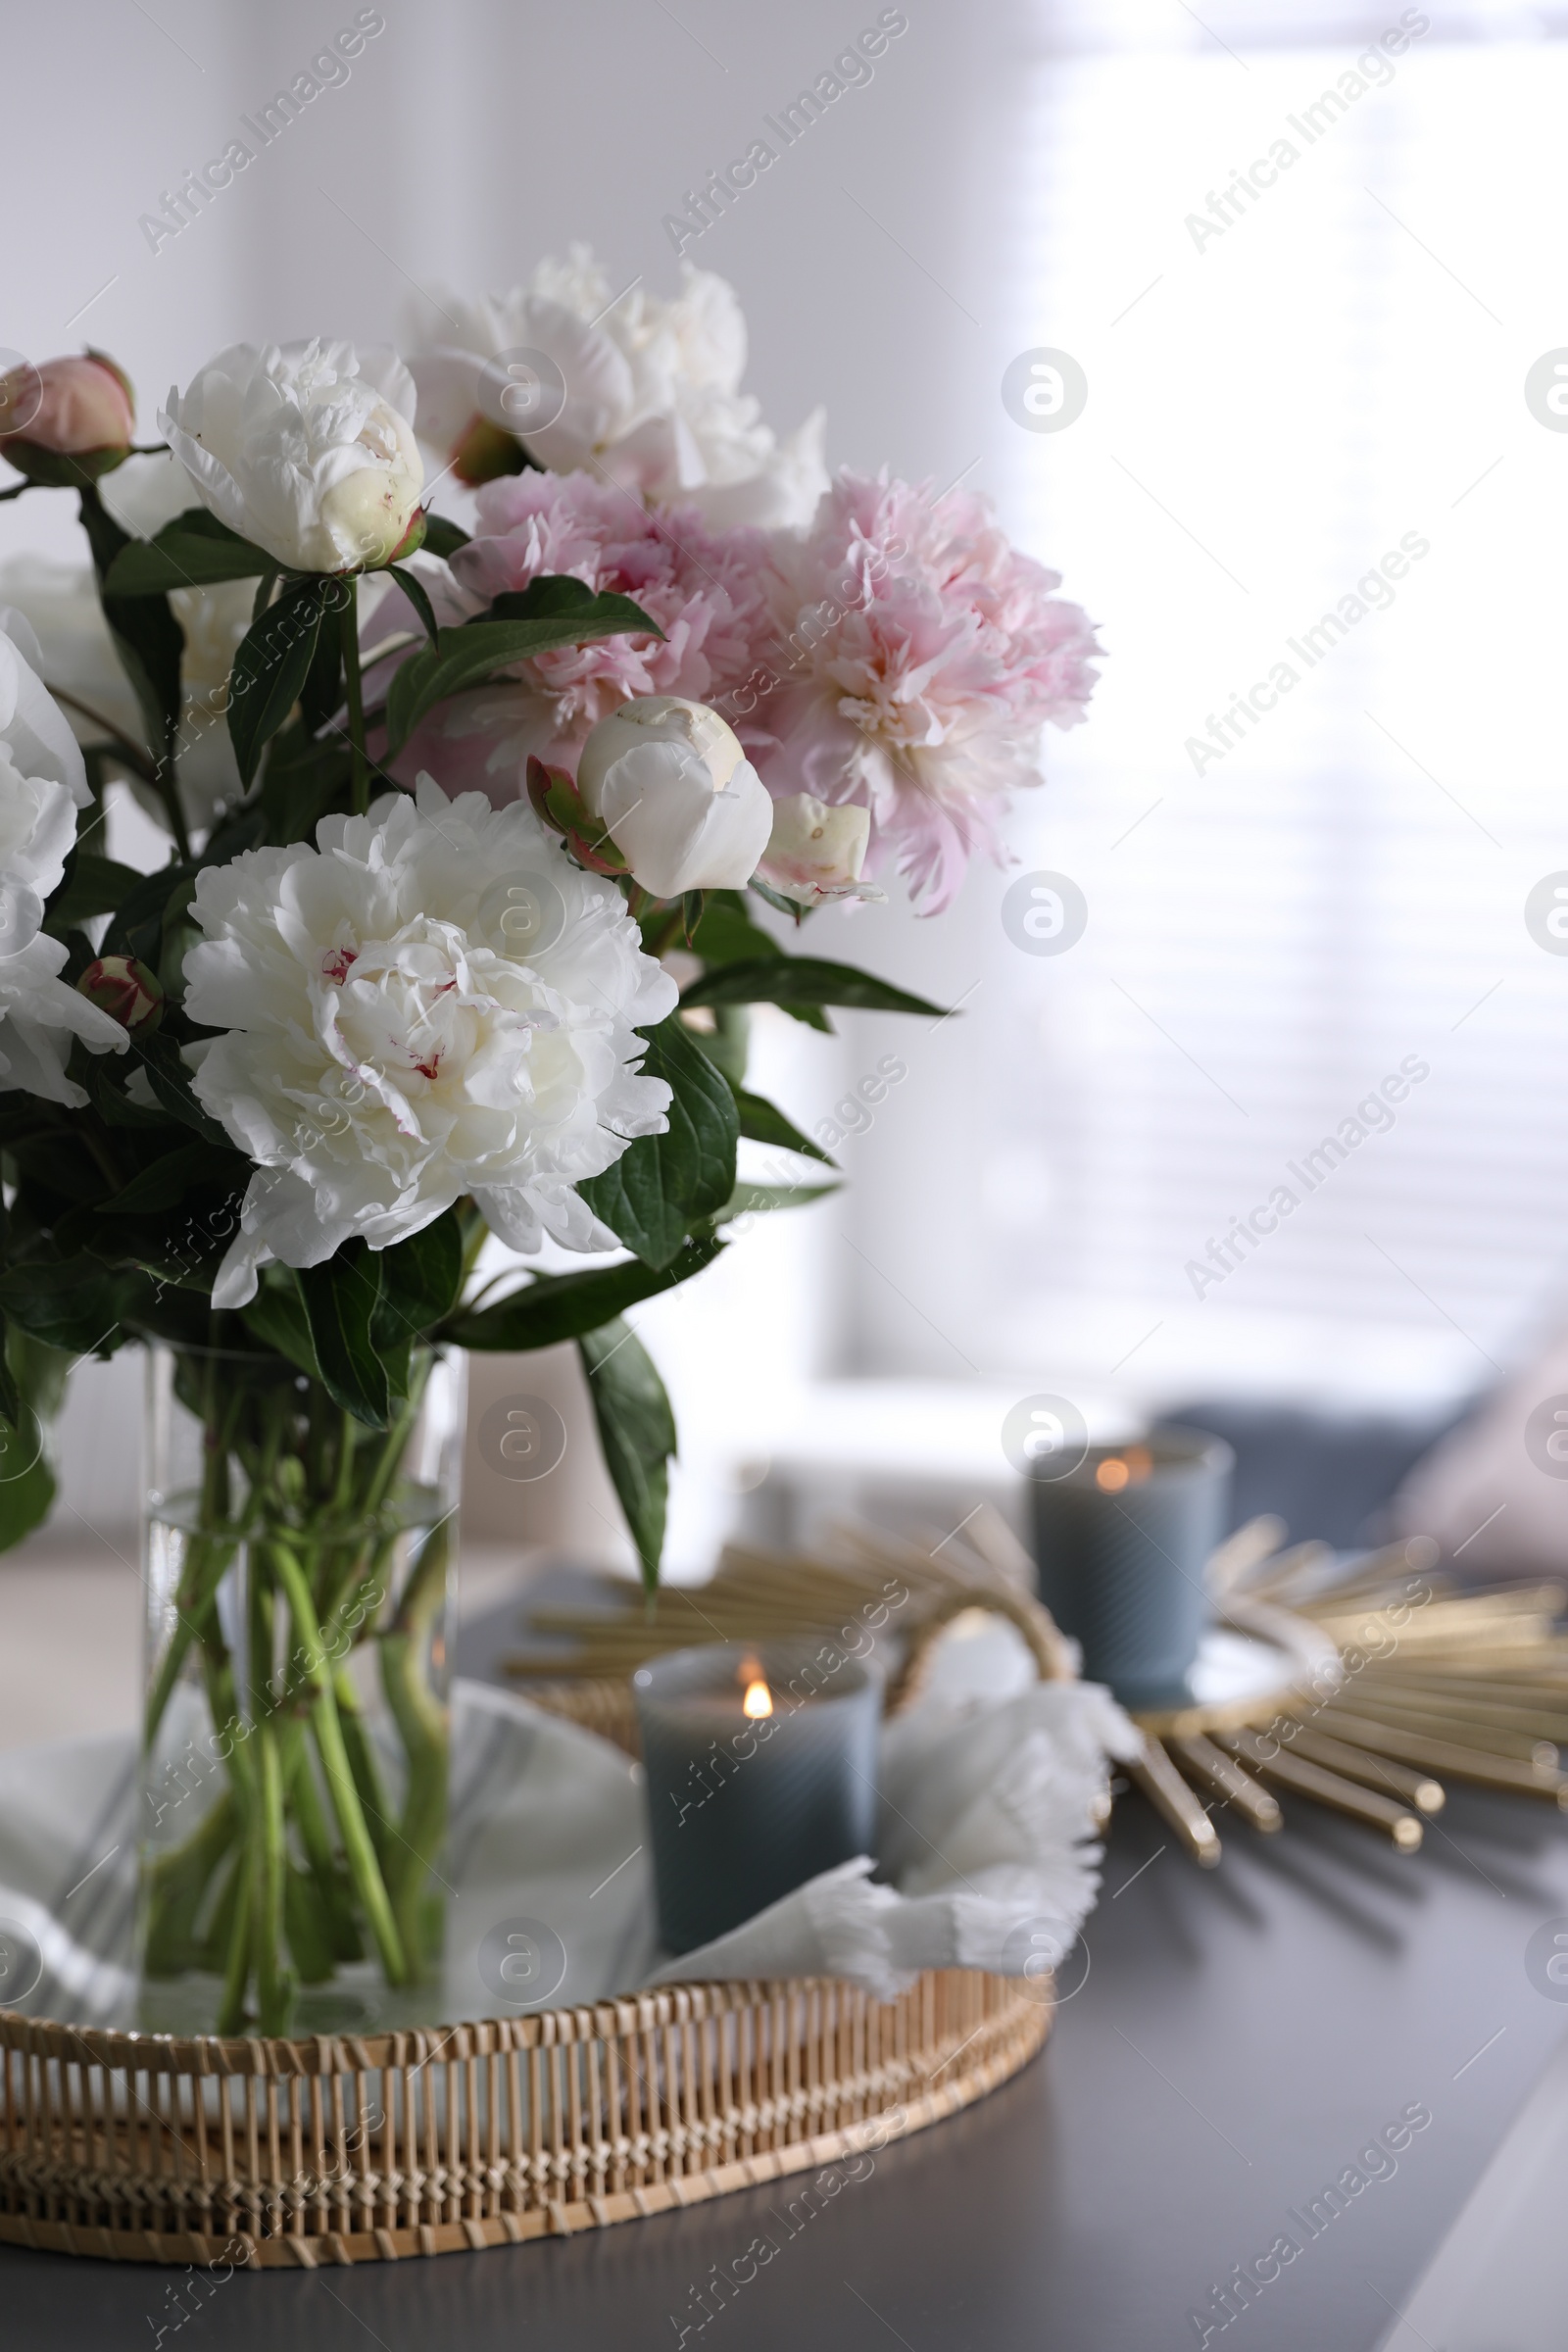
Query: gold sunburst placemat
pixel 1365 1684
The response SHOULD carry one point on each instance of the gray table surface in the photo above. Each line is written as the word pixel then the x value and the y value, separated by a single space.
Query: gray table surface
pixel 1240 2035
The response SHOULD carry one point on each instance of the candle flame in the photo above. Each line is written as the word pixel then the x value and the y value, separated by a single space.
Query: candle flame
pixel 1127 1469
pixel 758 1700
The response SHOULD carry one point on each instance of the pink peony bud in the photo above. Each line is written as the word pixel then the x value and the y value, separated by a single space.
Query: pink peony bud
pixel 73 417
pixel 125 989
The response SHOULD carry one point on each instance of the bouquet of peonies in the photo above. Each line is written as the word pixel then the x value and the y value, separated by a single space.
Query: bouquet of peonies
pixel 447 812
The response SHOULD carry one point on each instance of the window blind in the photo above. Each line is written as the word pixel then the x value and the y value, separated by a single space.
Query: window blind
pixel 1298 1095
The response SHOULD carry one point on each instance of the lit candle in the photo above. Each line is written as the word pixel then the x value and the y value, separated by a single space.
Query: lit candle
pixel 1121 1539
pixel 760 1771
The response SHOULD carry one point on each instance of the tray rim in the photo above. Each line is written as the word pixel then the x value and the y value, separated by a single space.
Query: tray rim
pixel 991 2016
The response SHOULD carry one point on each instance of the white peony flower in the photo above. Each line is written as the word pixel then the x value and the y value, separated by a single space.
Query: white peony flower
pixel 815 852
pixel 42 784
pixel 652 393
pixel 61 602
pixel 76 654
pixel 307 449
pixel 676 794
pixel 432 1002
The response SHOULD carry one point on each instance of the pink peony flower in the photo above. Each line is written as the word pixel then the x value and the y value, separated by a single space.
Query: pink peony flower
pixel 707 593
pixel 915 656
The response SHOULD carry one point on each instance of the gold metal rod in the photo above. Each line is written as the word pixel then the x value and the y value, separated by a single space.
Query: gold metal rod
pixel 1474 1675
pixel 1540 1606
pixel 1161 1781
pixel 1255 1803
pixel 1486 1668
pixel 1382 1572
pixel 1444 1756
pixel 1328 1788
pixel 1502 1600
pixel 1512 1690
pixel 1417 1789
pixel 1410 1715
pixel 1247 1551
pixel 1514 1639
pixel 1518 1714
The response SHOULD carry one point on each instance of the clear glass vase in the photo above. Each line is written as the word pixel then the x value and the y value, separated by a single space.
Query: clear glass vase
pixel 300 1574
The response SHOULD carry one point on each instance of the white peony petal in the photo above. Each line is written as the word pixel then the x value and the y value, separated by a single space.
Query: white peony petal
pixel 380 1054
pixel 675 831
pixel 235 1283
pixel 32 724
pixel 656 801
pixel 653 392
pixel 271 437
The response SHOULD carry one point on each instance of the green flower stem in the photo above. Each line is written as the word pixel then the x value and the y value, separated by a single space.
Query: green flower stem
pixel 222 1705
pixel 363 1867
pixel 238 1967
pixel 345 1465
pixel 423 1726
pixel 211 1951
pixel 208 1562
pixel 274 1985
pixel 362 1764
pixel 303 1862
pixel 397 1438
pixel 361 1601
pixel 177 1887
pixel 302 1793
pixel 211 1554
pixel 356 696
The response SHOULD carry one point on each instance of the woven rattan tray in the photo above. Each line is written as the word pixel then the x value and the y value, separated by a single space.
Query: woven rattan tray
pixel 343 2149
pixel 264 2153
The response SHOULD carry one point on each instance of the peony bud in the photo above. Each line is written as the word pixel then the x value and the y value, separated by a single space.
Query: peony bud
pixel 681 802
pixel 815 852
pixel 73 419
pixel 127 991
pixel 305 450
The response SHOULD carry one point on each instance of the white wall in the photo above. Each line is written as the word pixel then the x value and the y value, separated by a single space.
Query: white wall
pixel 471 139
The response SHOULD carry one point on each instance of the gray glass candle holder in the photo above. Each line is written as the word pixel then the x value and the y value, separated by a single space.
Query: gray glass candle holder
pixel 741 1807
pixel 1121 1538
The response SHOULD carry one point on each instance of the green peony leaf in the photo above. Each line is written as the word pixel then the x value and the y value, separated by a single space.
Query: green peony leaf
pixel 191 552
pixel 93 885
pixel 272 665
pixel 757 1200
pixel 790 980
pixel 443 537
pixel 726 933
pixel 563 1306
pixel 413 589
pixel 169 1080
pixel 192 1168
pixel 548 613
pixel 27 1477
pixel 636 1432
pixel 276 1316
pixel 662 1185
pixel 762 1122
pixel 73 1304
pixel 149 640
pixel 340 1298
pixel 420 1278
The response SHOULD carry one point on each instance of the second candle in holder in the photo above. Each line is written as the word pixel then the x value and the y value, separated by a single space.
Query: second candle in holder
pixel 760 1766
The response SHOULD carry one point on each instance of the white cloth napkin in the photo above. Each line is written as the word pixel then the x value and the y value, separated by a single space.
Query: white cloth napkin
pixel 985 1854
